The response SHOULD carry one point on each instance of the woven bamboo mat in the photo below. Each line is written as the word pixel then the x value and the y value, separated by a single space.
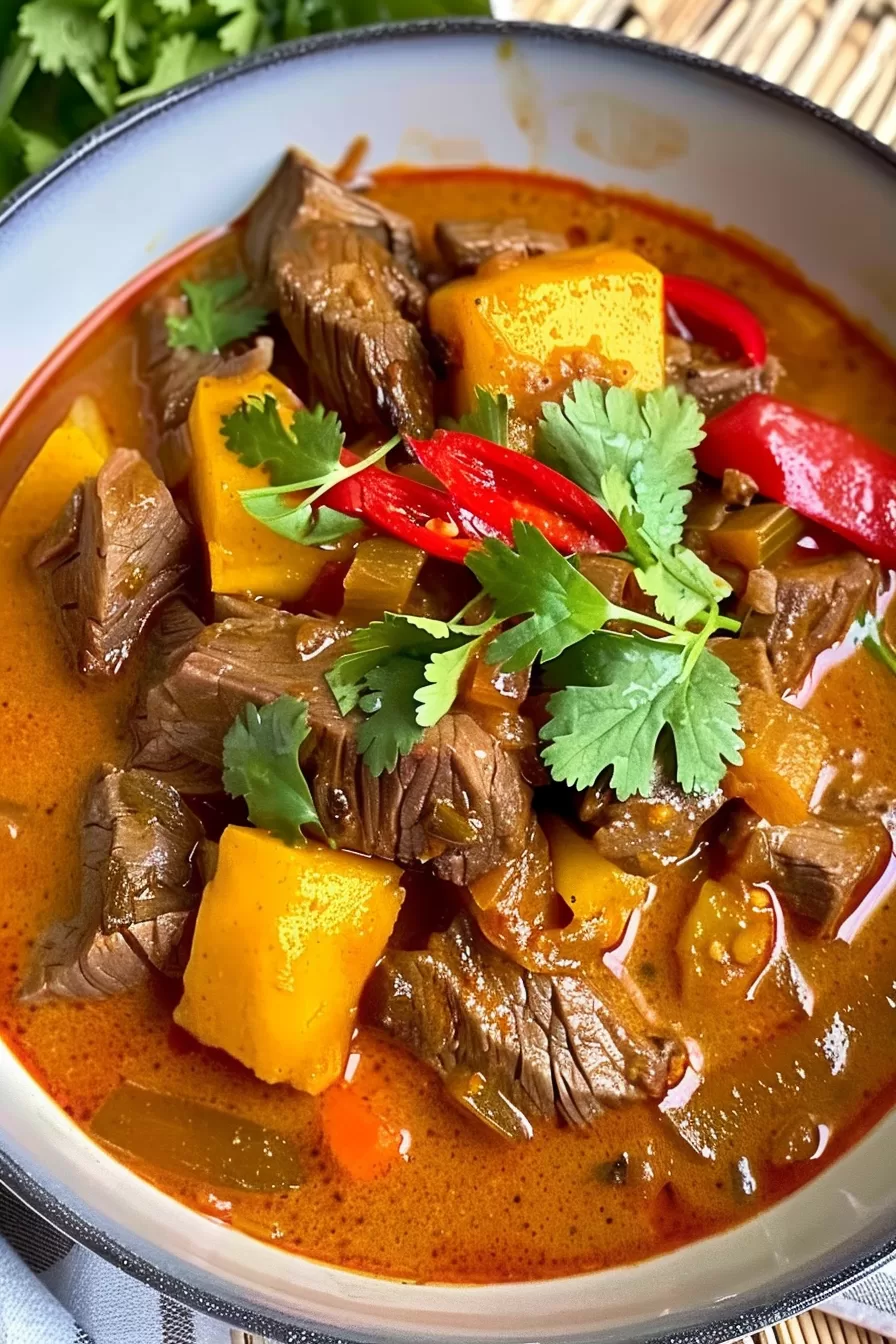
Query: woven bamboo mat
pixel 840 54
pixel 813 1327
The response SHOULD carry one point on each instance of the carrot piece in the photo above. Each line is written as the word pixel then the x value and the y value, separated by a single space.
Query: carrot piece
pixel 363 1143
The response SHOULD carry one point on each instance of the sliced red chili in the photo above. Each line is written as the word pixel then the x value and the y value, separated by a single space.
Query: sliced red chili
pixel 692 298
pixel 823 470
pixel 500 485
pixel 409 510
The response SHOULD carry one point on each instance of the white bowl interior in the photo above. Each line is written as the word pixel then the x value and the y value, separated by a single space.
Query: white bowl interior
pixel 604 114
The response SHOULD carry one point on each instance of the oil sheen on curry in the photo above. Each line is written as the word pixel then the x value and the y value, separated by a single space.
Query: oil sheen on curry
pixel 450 787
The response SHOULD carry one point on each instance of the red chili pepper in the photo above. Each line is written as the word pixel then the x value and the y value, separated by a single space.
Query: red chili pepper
pixel 823 470
pixel 409 510
pixel 690 297
pixel 500 485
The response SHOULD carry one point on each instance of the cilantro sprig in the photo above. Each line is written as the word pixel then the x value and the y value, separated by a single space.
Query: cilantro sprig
pixel 303 455
pixel 404 673
pixel 636 689
pixel 634 453
pixel 214 319
pixel 489 418
pixel 261 764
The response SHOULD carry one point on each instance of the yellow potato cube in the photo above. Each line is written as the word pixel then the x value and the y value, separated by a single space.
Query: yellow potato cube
pixel 529 329
pixel 285 939
pixel 244 555
pixel 73 453
pixel 601 895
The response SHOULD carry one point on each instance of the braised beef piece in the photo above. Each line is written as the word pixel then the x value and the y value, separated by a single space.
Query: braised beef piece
pixel 351 310
pixel 643 835
pixel 716 385
pixel 458 798
pixel 815 604
pixel 819 869
pixel 139 884
pixel 117 551
pixel 302 192
pixel 748 660
pixel 177 627
pixel 465 244
pixel 172 373
pixel 550 1045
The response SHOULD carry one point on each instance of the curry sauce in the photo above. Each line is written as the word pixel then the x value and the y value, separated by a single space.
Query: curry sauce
pixel 797 1066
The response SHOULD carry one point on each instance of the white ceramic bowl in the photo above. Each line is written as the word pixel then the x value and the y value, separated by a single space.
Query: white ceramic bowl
pixel 607 111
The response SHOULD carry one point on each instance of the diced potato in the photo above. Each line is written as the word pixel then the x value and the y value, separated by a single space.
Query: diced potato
pixel 381 578
pixel 783 754
pixel 726 939
pixel 756 535
pixel 285 939
pixel 601 895
pixel 73 453
pixel 244 556
pixel 505 329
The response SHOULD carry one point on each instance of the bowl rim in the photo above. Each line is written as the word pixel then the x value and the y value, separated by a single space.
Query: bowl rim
pixel 846 1270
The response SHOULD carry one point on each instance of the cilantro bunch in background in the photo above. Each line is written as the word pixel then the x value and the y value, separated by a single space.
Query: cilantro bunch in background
pixel 66 65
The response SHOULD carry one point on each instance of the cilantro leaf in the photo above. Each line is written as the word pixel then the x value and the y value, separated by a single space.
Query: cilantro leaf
pixel 443 672
pixel 63 35
pixel 390 729
pixel 634 453
pixel 301 522
pixel 535 578
pixel 488 419
pixel 213 320
pixel 175 60
pixel 127 34
pixel 261 764
pixel 240 34
pixel 375 644
pixel 643 687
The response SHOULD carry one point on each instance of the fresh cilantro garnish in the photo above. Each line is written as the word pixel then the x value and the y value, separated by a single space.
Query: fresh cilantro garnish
pixel 634 452
pixel 870 633
pixel 563 607
pixel 390 729
pixel 633 686
pixel 214 319
pixel 488 419
pixel 641 688
pixel 301 456
pixel 403 672
pixel 67 64
pixel 261 764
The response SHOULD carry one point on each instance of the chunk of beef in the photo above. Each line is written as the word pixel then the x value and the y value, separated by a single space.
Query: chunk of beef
pixel 177 627
pixel 350 310
pixel 644 835
pixel 139 886
pixel 172 373
pixel 302 192
pixel 748 660
pixel 457 799
pixel 819 869
pixel 466 243
pixel 118 550
pixel 715 384
pixel 815 604
pixel 550 1045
